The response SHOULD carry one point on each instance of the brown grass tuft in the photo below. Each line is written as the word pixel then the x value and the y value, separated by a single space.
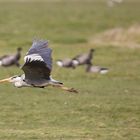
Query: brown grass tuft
pixel 119 36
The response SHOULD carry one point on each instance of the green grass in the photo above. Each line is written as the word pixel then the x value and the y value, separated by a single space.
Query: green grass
pixel 107 106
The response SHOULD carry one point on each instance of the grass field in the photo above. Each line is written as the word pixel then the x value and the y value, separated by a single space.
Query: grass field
pixel 107 106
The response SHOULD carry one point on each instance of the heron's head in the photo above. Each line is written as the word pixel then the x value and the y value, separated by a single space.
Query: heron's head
pixel 12 79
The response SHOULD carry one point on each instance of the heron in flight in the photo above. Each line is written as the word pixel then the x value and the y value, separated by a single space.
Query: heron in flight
pixel 37 69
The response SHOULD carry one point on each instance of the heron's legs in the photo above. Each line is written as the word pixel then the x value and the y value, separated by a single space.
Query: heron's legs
pixel 66 88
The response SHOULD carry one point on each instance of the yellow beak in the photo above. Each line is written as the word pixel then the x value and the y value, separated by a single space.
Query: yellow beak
pixel 5 80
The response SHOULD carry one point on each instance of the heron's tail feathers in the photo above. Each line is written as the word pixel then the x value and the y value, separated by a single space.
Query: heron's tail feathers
pixel 55 82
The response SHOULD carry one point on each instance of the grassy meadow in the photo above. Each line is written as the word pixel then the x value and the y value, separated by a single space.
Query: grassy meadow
pixel 107 106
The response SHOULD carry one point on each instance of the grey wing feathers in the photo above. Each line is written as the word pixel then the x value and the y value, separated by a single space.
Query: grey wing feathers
pixel 40 47
pixel 35 70
pixel 38 61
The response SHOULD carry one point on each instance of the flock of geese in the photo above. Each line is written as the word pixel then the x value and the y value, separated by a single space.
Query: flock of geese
pixel 82 59
pixel 37 66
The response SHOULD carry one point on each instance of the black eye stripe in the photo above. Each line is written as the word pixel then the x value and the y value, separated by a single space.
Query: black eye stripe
pixel 14 77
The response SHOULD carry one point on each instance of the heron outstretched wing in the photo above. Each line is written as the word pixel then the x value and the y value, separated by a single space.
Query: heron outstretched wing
pixel 38 61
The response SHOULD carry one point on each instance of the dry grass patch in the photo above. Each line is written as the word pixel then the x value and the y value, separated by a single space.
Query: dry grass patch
pixel 126 37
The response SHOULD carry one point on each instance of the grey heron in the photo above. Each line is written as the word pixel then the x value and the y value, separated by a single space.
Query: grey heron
pixel 96 69
pixel 67 63
pixel 83 59
pixel 37 69
pixel 9 60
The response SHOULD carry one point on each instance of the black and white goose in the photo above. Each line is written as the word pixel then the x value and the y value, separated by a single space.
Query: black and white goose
pixel 67 63
pixel 96 69
pixel 83 59
pixel 9 60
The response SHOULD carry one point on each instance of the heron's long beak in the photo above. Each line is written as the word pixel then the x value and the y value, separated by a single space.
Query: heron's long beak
pixel 5 80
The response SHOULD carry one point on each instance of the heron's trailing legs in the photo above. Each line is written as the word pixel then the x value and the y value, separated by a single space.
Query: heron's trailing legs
pixel 66 88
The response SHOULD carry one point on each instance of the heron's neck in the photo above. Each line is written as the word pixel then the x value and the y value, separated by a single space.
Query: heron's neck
pixel 20 82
